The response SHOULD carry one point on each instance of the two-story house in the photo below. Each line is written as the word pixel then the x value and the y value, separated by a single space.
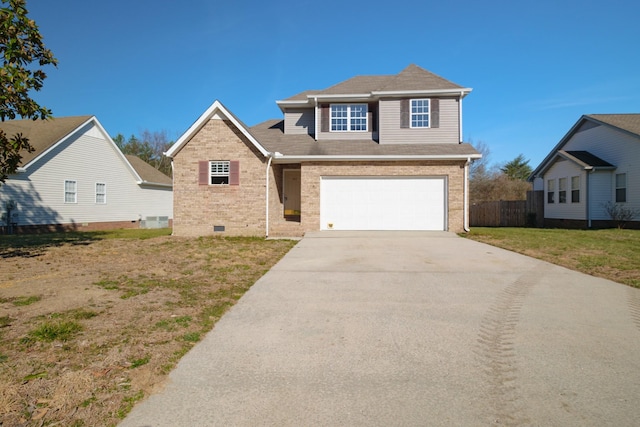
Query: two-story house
pixel 381 152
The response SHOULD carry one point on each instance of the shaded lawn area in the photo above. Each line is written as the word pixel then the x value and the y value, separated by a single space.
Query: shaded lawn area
pixel 613 254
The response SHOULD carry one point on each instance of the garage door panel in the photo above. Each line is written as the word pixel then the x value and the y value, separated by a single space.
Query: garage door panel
pixel 381 203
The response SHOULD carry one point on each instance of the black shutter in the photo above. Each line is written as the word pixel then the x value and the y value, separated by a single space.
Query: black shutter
pixel 405 114
pixel 435 112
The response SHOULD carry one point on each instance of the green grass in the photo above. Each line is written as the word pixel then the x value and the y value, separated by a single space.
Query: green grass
pixel 22 301
pixel 53 330
pixel 612 253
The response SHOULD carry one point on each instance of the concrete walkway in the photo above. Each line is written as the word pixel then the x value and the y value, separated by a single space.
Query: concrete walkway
pixel 411 329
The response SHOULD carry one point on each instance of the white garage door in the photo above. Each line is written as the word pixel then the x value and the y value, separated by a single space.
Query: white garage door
pixel 382 203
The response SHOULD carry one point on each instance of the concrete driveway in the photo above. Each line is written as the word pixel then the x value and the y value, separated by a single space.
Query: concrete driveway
pixel 424 329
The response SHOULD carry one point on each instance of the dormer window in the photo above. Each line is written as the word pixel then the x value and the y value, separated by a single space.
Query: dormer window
pixel 420 113
pixel 349 117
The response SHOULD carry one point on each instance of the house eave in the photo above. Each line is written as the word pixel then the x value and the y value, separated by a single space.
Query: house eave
pixel 153 184
pixel 397 93
pixel 374 158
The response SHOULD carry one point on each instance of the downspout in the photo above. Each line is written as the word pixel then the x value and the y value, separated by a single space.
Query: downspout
pixel 315 118
pixel 270 155
pixel 586 199
pixel 466 196
pixel 460 116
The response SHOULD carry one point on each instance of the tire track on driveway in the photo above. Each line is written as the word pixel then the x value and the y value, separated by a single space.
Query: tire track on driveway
pixel 634 305
pixel 497 351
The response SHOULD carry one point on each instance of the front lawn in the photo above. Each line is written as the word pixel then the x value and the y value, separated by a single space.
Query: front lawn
pixel 613 254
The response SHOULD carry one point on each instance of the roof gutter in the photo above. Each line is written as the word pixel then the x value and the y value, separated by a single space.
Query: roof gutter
pixel 462 92
pixel 343 158
pixel 154 184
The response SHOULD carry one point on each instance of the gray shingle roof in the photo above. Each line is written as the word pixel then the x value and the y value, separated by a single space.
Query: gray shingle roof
pixel 588 159
pixel 411 78
pixel 626 122
pixel 147 172
pixel 41 134
pixel 272 137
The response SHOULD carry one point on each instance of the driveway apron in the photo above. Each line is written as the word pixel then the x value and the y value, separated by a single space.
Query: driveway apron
pixel 411 329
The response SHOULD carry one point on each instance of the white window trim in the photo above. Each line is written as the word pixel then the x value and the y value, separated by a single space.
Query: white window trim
pixel 75 191
pixel 104 193
pixel 226 164
pixel 560 190
pixel 575 189
pixel 411 113
pixel 551 189
pixel 616 188
pixel 349 117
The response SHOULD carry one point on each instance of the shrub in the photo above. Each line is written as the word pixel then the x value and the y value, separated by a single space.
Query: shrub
pixel 620 214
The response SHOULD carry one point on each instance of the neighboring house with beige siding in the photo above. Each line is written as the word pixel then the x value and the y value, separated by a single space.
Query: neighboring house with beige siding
pixel 370 153
pixel 77 178
pixel 596 163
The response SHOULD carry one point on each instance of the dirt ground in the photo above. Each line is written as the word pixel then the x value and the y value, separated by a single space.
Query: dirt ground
pixel 89 327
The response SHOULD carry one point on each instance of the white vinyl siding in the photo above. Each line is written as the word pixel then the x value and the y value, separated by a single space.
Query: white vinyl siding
pixel 560 174
pixel 390 131
pixel 92 158
pixel 299 121
pixel 618 148
pixel 600 184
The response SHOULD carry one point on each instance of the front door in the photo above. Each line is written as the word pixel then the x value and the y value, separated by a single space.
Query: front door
pixel 291 192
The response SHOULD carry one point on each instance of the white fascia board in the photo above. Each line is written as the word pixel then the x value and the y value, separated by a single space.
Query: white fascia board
pixel 463 91
pixel 293 104
pixel 359 158
pixel 215 109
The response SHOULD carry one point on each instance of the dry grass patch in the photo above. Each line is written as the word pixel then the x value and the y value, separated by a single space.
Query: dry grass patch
pixel 92 323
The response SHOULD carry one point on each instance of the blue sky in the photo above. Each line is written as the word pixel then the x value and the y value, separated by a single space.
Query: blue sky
pixel 535 67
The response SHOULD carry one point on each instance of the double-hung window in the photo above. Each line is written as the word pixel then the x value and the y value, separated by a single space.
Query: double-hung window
pixel 621 187
pixel 420 113
pixel 219 172
pixel 562 190
pixel 575 189
pixel 101 193
pixel 349 117
pixel 551 190
pixel 70 191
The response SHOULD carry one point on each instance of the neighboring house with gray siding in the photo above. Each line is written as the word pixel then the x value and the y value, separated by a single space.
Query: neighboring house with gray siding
pixel 77 178
pixel 596 163
pixel 370 153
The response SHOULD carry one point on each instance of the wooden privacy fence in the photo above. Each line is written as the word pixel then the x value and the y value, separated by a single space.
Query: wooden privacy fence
pixel 511 213
pixel 499 214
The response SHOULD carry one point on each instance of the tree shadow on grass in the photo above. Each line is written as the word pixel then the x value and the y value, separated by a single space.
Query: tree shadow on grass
pixel 34 245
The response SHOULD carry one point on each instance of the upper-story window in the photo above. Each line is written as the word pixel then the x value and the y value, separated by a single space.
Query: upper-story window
pixel 420 113
pixel 348 117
